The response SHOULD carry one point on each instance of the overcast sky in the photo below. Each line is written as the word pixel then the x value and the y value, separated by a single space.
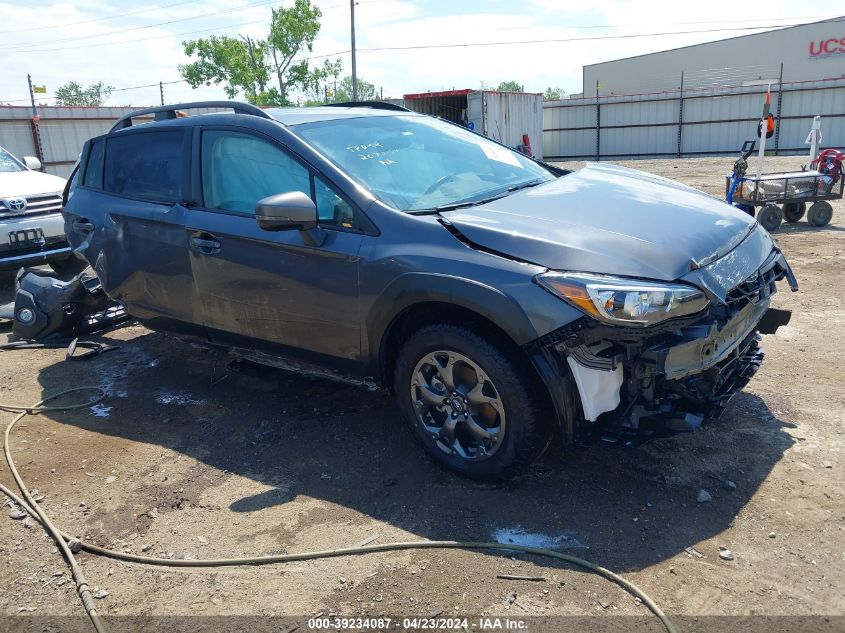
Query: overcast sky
pixel 126 44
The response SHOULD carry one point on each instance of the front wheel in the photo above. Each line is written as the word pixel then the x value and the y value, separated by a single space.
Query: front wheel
pixel 770 217
pixel 472 405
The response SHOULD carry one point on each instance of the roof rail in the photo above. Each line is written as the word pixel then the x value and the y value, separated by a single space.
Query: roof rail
pixel 375 105
pixel 162 113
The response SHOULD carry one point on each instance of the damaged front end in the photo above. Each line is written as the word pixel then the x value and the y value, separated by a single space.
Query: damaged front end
pixel 637 383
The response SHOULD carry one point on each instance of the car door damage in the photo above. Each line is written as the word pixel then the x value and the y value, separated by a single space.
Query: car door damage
pixel 640 383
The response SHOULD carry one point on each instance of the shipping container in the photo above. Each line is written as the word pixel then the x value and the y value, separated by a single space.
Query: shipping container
pixel 502 116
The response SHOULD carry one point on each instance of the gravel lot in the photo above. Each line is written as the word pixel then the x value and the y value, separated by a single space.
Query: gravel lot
pixel 265 461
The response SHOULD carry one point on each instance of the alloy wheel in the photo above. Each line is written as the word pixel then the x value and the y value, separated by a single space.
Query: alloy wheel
pixel 458 406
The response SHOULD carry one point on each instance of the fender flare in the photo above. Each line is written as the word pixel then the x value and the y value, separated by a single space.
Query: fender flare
pixel 411 289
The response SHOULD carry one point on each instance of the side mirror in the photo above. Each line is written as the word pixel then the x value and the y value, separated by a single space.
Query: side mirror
pixel 32 163
pixel 286 211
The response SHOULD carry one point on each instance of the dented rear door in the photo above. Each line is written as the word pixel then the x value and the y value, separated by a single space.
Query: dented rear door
pixel 125 216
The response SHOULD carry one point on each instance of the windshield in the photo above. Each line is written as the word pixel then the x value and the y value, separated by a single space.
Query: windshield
pixel 8 162
pixel 415 163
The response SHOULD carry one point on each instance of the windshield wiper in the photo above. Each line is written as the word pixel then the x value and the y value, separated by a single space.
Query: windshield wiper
pixel 501 194
pixel 526 185
pixel 471 203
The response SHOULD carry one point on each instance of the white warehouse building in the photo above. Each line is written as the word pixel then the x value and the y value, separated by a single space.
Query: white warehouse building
pixel 706 99
pixel 808 52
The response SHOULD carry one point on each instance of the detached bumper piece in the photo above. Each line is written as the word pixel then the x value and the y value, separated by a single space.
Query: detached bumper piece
pixel 48 309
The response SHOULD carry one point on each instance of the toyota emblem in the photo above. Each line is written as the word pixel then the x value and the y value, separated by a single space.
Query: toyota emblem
pixel 16 205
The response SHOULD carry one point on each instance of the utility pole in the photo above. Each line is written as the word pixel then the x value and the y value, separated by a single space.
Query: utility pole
pixel 161 91
pixel 31 95
pixel 36 130
pixel 354 70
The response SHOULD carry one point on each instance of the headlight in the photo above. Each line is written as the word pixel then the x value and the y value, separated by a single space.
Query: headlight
pixel 624 301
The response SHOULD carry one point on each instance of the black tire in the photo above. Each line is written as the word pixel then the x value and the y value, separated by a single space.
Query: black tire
pixel 820 213
pixel 67 267
pixel 794 211
pixel 525 430
pixel 770 217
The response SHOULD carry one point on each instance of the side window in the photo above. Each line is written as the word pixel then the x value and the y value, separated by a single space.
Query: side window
pixel 238 170
pixel 94 167
pixel 332 210
pixel 145 165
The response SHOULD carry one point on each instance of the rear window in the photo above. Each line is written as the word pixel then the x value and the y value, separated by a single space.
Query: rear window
pixel 94 167
pixel 145 165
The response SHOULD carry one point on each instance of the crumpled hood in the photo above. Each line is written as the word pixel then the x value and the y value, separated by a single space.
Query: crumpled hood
pixel 29 183
pixel 611 220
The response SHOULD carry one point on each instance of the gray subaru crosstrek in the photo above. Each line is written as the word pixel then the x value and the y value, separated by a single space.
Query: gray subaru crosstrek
pixel 505 302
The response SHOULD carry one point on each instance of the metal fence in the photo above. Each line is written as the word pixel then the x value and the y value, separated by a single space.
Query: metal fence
pixel 56 135
pixel 693 122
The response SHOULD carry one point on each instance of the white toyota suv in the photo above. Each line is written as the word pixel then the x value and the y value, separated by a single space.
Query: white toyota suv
pixel 31 224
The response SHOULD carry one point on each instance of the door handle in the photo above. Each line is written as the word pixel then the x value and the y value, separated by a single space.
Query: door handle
pixel 205 245
pixel 83 226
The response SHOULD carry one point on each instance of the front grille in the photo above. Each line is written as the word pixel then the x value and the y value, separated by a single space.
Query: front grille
pixel 35 206
pixel 757 287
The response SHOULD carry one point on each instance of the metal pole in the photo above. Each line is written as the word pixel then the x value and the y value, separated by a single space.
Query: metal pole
pixel 35 128
pixel 161 91
pixel 681 115
pixel 761 154
pixel 780 102
pixel 598 123
pixel 31 95
pixel 354 68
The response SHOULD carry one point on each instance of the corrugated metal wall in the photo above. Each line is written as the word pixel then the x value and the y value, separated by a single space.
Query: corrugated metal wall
pixel 696 122
pixel 63 131
pixel 502 116
pixel 506 116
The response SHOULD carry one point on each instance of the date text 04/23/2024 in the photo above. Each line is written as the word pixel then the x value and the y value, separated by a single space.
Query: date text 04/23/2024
pixel 416 624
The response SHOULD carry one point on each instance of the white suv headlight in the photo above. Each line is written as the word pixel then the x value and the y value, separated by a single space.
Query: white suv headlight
pixel 624 301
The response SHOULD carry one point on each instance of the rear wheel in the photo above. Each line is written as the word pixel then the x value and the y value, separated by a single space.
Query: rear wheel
pixel 820 213
pixel 470 403
pixel 770 217
pixel 794 211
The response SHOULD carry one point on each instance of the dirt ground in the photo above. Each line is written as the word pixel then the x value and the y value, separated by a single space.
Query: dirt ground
pixel 177 463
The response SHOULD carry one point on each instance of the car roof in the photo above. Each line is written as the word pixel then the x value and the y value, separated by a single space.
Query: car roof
pixel 287 116
pixel 295 116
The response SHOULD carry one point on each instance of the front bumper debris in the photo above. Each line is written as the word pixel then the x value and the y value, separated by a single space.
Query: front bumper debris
pixel 634 384
pixel 47 308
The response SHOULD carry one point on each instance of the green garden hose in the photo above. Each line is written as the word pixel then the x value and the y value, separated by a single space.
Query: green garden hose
pixel 65 540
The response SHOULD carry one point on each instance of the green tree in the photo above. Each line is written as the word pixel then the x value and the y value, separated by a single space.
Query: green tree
pixel 292 31
pixel 236 62
pixel 322 83
pixel 247 65
pixel 510 86
pixel 73 94
pixel 554 94
pixel 366 90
